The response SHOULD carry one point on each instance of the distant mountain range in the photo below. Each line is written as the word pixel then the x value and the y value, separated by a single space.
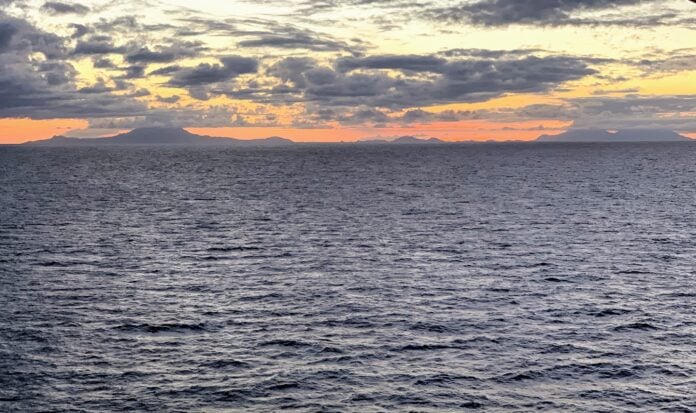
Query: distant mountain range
pixel 179 136
pixel 160 136
pixel 403 140
pixel 628 135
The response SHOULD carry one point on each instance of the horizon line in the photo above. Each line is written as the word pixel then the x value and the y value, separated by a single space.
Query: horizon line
pixel 372 139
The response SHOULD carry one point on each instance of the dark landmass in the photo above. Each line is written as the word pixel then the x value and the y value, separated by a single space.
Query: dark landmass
pixel 371 142
pixel 412 139
pixel 403 140
pixel 179 136
pixel 628 135
pixel 160 136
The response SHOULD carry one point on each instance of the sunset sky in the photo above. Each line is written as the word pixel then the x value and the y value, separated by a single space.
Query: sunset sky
pixel 331 70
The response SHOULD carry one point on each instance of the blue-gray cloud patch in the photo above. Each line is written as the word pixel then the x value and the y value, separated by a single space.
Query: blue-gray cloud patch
pixel 537 12
pixel 56 7
pixel 205 73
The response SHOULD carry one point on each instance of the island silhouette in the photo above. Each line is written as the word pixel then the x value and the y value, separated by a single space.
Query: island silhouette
pixel 625 135
pixel 161 136
pixel 178 136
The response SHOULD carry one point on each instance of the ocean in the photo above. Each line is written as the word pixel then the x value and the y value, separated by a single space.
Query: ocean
pixel 341 278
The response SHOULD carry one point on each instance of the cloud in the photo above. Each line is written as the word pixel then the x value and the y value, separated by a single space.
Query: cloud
pixel 145 55
pixel 326 77
pixel 292 69
pixel 204 73
pixel 56 7
pixel 424 80
pixel 397 62
pixel 44 87
pixel 133 72
pixel 667 62
pixel 19 38
pixel 635 111
pixel 99 46
pixel 294 41
pixel 177 50
pixel 104 63
pixel 96 88
pixel 80 30
pixel 393 83
pixel 168 99
pixel 7 31
pixel 321 6
pixel 676 112
pixel 215 116
pixel 538 12
pixel 166 70
pixel 490 54
pixel 364 116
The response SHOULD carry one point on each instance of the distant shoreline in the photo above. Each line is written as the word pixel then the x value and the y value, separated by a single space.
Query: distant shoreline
pixel 356 143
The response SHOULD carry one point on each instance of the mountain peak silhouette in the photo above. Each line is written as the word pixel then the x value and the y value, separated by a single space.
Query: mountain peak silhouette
pixel 624 135
pixel 158 135
pixel 415 140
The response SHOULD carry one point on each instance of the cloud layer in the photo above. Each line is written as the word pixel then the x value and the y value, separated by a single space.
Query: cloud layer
pixel 311 64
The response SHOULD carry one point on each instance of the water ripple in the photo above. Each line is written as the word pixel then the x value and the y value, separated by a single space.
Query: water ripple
pixel 339 278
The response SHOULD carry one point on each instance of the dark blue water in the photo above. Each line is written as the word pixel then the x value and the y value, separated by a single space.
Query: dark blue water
pixel 344 278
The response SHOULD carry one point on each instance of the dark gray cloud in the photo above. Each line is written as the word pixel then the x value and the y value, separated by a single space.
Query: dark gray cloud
pixel 529 74
pixel 145 55
pixel 394 14
pixel 104 63
pixel 420 80
pixel 45 88
pixel 292 69
pixel 7 31
pixel 309 7
pixel 296 41
pixel 490 54
pixel 133 72
pixel 204 73
pixel 97 46
pixel 80 30
pixel 138 54
pixel 56 72
pixel 56 7
pixel 397 62
pixel 262 33
pixel 176 50
pixel 166 70
pixel 364 116
pixel 455 81
pixel 96 88
pixel 140 93
pixel 537 12
pixel 168 99
pixel 18 37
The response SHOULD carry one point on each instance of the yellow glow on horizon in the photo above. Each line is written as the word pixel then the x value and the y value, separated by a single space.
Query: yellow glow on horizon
pixel 683 83
pixel 20 130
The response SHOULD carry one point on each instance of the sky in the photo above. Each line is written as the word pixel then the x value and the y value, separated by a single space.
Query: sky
pixel 345 70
